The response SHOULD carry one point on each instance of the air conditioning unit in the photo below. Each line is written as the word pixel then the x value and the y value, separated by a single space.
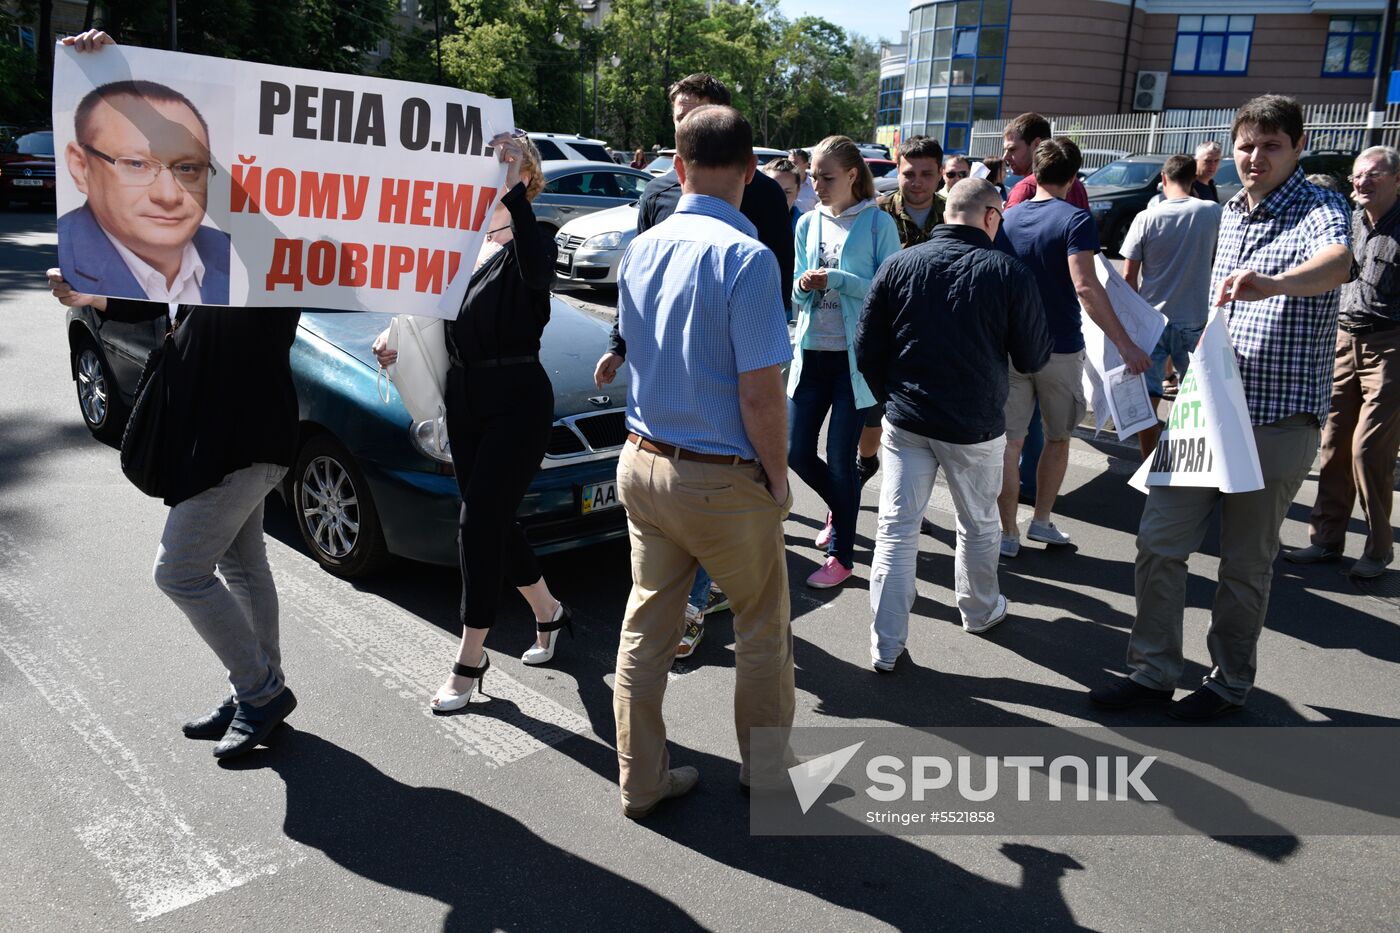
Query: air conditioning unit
pixel 1150 90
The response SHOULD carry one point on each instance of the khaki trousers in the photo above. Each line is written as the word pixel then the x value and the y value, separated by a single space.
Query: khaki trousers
pixel 1359 442
pixel 681 513
pixel 1174 522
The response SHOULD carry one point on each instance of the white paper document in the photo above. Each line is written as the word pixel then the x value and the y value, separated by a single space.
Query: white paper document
pixel 1128 402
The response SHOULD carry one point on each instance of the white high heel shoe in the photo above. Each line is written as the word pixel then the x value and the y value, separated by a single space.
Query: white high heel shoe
pixel 446 703
pixel 563 619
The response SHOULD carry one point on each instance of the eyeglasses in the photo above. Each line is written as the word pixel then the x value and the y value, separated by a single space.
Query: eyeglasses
pixel 138 172
pixel 1368 176
pixel 1001 218
pixel 956 174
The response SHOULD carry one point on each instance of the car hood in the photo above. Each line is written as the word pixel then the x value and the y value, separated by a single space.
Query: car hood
pixel 622 218
pixel 572 343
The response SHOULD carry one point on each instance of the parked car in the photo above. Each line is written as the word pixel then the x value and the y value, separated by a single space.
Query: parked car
pixel 1118 191
pixel 559 147
pixel 881 168
pixel 368 481
pixel 27 169
pixel 665 158
pixel 576 189
pixel 591 247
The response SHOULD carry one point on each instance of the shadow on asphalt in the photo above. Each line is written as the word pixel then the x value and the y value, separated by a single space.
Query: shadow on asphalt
pixel 493 872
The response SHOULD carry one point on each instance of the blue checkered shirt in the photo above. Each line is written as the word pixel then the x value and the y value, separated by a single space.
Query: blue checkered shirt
pixel 698 302
pixel 1285 345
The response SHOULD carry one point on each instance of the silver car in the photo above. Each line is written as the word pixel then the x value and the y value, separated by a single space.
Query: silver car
pixel 577 189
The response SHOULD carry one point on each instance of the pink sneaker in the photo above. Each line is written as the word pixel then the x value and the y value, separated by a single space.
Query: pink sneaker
pixel 829 574
pixel 824 536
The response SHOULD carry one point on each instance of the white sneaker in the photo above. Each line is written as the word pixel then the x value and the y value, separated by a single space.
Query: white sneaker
pixel 998 616
pixel 1046 533
pixel 1010 545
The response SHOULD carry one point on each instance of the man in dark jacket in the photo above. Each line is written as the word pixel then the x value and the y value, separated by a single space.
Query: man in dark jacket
pixel 934 336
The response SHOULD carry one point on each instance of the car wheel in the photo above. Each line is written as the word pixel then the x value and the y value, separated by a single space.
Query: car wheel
pixel 334 511
pixel 99 399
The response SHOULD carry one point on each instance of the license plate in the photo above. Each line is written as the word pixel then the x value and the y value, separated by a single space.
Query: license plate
pixel 566 262
pixel 596 497
pixel 27 182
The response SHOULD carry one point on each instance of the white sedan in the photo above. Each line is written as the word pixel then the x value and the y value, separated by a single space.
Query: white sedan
pixel 590 247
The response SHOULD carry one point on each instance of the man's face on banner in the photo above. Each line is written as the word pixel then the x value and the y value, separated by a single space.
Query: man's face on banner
pixel 144 169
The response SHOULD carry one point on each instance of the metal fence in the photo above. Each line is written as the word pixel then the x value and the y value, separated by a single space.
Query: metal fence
pixel 1329 126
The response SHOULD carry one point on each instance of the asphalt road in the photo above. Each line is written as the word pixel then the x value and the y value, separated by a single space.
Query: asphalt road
pixel 368 813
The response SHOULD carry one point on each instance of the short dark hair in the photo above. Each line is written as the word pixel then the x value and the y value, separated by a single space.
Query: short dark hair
pixel 1180 170
pixel 714 136
pixel 921 147
pixel 1056 161
pixel 802 154
pixel 149 90
pixel 701 85
pixel 1272 113
pixel 1030 126
pixel 780 165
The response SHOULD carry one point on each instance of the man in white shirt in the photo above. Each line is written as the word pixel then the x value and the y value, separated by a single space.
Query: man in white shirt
pixel 141 157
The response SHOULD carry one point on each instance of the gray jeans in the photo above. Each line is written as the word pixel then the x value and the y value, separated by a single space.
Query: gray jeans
pixel 222 528
pixel 1174 522
pixel 973 474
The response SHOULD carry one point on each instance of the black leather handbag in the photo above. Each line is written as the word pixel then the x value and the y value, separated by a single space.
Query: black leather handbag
pixel 143 440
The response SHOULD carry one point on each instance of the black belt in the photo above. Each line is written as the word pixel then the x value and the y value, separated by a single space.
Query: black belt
pixel 501 361
pixel 1375 325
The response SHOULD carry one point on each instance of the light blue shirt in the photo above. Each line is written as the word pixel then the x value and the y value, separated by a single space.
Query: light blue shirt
pixel 699 301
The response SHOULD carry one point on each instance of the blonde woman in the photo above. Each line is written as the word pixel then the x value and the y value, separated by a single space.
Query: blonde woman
pixel 839 246
pixel 500 411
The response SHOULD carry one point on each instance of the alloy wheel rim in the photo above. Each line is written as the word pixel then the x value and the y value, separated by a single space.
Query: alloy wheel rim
pixel 330 507
pixel 92 387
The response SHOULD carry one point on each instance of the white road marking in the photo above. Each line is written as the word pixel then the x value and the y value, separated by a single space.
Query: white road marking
pixel 119 810
pixel 411 658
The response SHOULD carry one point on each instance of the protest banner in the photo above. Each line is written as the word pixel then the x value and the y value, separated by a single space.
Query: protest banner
pixel 1144 325
pixel 1209 440
pixel 220 182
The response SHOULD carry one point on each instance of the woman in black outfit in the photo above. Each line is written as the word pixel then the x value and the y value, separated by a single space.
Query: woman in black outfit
pixel 500 411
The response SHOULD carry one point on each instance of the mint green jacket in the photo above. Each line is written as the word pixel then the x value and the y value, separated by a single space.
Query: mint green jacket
pixel 872 238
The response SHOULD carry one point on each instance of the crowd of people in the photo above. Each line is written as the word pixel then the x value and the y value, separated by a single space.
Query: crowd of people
pixel 936 328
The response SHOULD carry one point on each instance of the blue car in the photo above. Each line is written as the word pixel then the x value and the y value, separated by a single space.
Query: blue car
pixel 368 482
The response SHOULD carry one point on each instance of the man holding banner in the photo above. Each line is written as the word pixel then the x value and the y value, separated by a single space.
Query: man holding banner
pixel 1284 251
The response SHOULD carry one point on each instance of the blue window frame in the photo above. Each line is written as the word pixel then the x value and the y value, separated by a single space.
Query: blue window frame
pixel 1353 45
pixel 891 96
pixel 1212 45
pixel 957 53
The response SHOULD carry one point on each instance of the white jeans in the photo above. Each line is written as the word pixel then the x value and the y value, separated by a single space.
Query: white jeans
pixel 910 466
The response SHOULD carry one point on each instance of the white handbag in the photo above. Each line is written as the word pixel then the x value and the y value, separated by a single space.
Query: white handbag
pixel 420 372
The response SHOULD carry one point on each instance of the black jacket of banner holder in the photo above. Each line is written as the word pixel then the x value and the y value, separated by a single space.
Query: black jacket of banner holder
pixel 229 400
pixel 938 325
pixel 764 205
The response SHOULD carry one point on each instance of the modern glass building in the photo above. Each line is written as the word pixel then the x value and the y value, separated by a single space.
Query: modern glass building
pixel 993 59
pixel 955 66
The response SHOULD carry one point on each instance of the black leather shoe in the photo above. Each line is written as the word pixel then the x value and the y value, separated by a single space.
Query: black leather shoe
pixel 212 725
pixel 1204 704
pixel 253 724
pixel 1126 693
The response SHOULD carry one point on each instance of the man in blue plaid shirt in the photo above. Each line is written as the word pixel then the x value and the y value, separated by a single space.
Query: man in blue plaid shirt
pixel 1283 253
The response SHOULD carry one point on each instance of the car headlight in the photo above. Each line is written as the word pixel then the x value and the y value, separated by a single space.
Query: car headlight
pixel 604 241
pixel 430 438
pixel 1100 207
